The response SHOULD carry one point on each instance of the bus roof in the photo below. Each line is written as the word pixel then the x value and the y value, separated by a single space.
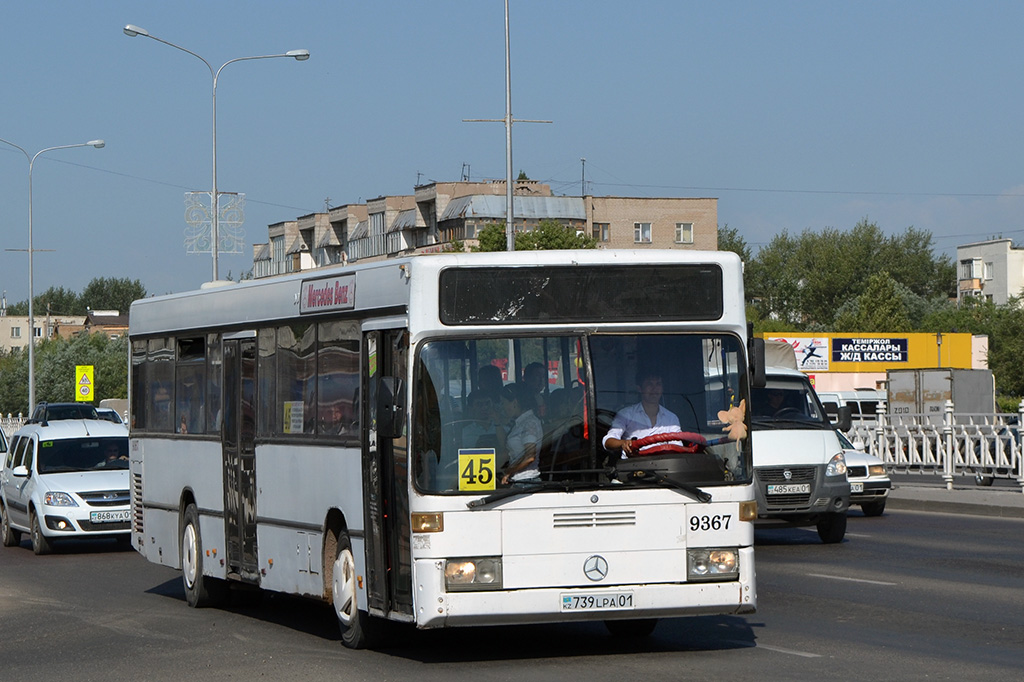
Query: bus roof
pixel 381 287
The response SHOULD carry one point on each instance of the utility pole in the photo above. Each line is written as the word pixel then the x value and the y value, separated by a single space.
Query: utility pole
pixel 510 242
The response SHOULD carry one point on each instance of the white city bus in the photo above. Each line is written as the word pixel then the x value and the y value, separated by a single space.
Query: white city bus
pixel 312 434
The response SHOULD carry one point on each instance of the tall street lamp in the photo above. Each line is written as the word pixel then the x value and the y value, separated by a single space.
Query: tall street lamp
pixel 98 144
pixel 299 55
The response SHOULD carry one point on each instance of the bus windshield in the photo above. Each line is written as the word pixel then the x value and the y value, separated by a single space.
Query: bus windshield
pixel 559 396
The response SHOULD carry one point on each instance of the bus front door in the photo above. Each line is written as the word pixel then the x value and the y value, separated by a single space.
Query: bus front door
pixel 385 475
pixel 239 456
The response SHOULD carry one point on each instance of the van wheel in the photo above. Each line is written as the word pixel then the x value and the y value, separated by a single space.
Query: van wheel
pixel 200 590
pixel 11 537
pixel 832 528
pixel 873 508
pixel 359 630
pixel 40 543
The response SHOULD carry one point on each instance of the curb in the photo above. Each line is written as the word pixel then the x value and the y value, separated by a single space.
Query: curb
pixel 955 507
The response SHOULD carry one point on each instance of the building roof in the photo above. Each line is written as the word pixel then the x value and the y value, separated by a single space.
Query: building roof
pixel 406 220
pixel 540 208
pixel 362 230
pixel 262 252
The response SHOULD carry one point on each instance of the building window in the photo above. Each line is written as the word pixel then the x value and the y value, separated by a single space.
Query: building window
pixel 971 268
pixel 602 232
pixel 15 332
pixel 988 270
pixel 37 332
pixel 684 233
pixel 642 233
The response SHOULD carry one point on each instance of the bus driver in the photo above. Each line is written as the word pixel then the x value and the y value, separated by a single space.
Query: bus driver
pixel 645 418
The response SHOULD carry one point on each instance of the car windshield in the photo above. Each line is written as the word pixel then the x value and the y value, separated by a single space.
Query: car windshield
pixel 82 454
pixel 58 412
pixel 559 396
pixel 786 403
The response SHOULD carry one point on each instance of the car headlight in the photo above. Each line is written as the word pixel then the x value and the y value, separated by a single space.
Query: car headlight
pixel 712 564
pixel 463 575
pixel 836 466
pixel 54 499
pixel 876 470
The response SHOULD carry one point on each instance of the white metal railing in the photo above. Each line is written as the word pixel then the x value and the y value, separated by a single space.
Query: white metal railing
pixel 10 424
pixel 958 444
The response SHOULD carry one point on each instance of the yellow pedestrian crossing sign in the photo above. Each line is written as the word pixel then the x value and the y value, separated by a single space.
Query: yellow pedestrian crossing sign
pixel 83 383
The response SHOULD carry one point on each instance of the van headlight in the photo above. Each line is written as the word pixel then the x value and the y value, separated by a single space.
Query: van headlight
pixel 54 499
pixel 836 466
pixel 480 573
pixel 876 470
pixel 712 564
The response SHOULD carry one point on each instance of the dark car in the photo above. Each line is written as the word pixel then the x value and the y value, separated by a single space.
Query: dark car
pixel 47 412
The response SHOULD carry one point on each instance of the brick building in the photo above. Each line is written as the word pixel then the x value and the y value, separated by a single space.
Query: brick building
pixel 439 213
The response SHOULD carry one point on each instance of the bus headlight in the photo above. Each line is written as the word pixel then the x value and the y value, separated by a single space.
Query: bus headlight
pixel 712 564
pixel 482 573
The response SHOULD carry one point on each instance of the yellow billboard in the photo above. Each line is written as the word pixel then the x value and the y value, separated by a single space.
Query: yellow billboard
pixel 858 352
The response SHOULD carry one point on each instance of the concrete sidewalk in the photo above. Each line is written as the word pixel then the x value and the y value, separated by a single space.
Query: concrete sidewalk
pixel 930 494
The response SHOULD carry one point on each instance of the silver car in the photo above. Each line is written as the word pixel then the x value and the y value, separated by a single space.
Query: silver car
pixel 869 482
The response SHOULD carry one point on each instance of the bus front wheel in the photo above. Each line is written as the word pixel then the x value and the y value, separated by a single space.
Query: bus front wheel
pixel 359 630
pixel 633 627
pixel 200 590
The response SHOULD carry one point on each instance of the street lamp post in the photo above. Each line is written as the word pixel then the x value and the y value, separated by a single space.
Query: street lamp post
pixel 299 55
pixel 98 144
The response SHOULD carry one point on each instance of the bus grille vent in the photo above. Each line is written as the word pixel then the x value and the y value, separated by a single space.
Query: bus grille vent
pixel 137 503
pixel 594 519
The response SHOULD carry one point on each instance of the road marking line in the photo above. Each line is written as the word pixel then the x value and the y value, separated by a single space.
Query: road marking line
pixel 852 580
pixel 780 650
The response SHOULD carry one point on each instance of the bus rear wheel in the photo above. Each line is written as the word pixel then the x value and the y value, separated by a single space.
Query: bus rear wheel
pixel 201 591
pixel 359 630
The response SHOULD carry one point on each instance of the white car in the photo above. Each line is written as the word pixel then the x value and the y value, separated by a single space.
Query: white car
pixel 869 482
pixel 65 479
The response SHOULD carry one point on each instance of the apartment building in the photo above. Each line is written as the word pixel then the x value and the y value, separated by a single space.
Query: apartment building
pixel 992 269
pixel 438 214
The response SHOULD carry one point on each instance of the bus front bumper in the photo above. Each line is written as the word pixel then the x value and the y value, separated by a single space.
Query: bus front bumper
pixel 437 607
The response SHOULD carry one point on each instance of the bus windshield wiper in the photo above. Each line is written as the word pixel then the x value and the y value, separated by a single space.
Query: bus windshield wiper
pixel 646 476
pixel 523 489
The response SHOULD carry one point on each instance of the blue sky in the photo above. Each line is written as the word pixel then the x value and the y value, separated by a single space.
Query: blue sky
pixel 795 115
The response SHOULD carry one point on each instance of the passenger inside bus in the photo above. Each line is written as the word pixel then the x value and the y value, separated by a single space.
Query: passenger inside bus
pixel 483 422
pixel 523 441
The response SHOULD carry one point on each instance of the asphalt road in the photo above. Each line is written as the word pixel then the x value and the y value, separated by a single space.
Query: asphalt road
pixel 908 595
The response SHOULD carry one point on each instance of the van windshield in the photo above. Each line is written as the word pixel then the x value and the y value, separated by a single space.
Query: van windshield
pixel 786 403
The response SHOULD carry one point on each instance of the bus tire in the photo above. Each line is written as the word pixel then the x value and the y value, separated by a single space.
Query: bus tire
pixel 359 630
pixel 40 543
pixel 201 591
pixel 11 537
pixel 832 527
pixel 633 627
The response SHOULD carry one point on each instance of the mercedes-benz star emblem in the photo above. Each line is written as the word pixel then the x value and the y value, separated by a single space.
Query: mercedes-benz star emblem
pixel 595 568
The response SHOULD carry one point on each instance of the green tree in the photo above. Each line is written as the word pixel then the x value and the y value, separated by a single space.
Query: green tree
pixel 112 293
pixel 729 239
pixel 59 301
pixel 548 235
pixel 880 308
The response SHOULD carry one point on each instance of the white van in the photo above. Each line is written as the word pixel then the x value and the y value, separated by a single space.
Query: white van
pixel 799 466
pixel 863 404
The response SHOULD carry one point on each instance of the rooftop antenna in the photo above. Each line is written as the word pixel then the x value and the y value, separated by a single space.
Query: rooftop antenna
pixel 583 178
pixel 510 244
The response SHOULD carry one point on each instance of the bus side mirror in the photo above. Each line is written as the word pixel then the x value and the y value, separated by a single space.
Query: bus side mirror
pixel 755 354
pixel 390 407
